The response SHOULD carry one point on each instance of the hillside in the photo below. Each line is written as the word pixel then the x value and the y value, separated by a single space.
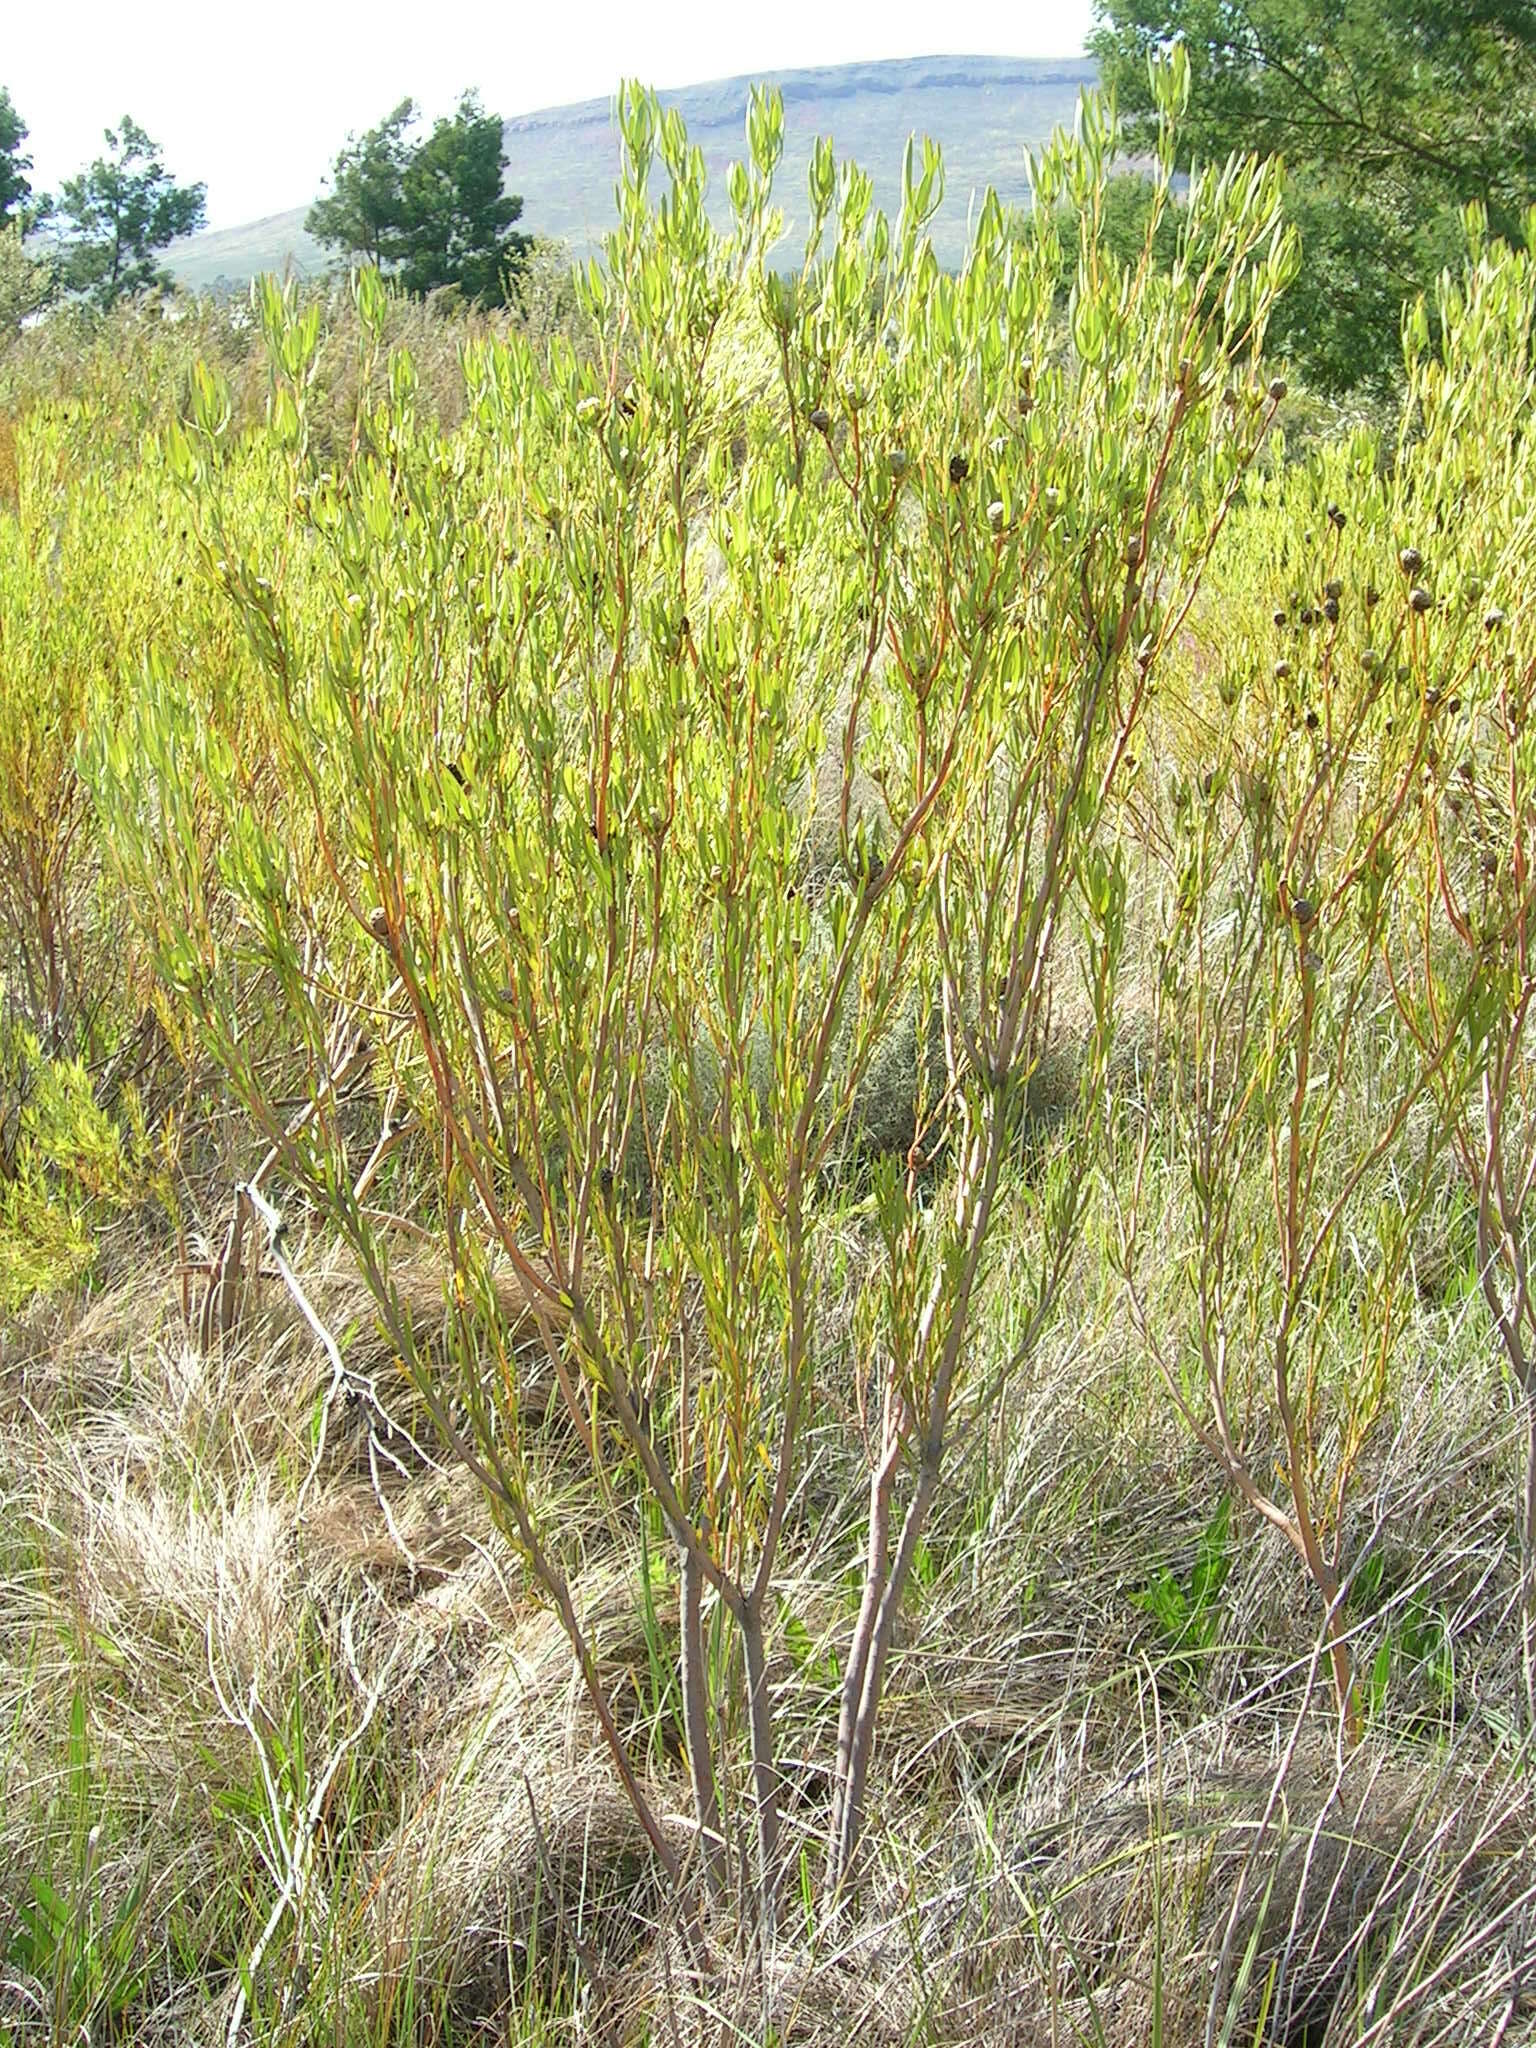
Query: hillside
pixel 563 161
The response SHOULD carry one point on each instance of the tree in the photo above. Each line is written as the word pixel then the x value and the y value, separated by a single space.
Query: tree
pixel 15 190
pixel 459 221
pixel 364 211
pixel 118 213
pixel 433 213
pixel 1391 115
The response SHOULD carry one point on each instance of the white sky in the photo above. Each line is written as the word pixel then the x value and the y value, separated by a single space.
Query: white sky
pixel 256 100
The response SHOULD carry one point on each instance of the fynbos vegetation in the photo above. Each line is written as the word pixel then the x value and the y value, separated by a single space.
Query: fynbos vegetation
pixel 818 982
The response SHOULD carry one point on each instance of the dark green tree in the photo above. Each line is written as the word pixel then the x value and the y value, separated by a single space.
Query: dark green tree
pixel 15 191
pixel 1391 115
pixel 116 216
pixel 432 213
pixel 364 211
pixel 458 220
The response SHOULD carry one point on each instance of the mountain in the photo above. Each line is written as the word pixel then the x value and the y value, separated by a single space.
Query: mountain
pixel 564 162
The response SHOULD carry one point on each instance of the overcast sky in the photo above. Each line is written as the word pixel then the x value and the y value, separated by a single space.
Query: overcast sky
pixel 256 100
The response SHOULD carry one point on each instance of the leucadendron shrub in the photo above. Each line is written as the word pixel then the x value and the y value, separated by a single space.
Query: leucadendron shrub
pixel 87 579
pixel 1341 972
pixel 735 690
pixel 75 1181
pixel 1464 518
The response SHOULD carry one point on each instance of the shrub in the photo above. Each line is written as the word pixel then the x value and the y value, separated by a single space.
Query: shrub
pixel 554 691
pixel 68 1171
pixel 1344 895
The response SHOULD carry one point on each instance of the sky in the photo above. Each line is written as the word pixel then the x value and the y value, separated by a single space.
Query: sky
pixel 256 101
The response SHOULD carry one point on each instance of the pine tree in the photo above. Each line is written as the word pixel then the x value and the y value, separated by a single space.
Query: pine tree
pixel 431 213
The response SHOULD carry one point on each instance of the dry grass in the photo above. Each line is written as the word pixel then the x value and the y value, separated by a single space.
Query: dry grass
pixel 1076 1827
pixel 9 481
